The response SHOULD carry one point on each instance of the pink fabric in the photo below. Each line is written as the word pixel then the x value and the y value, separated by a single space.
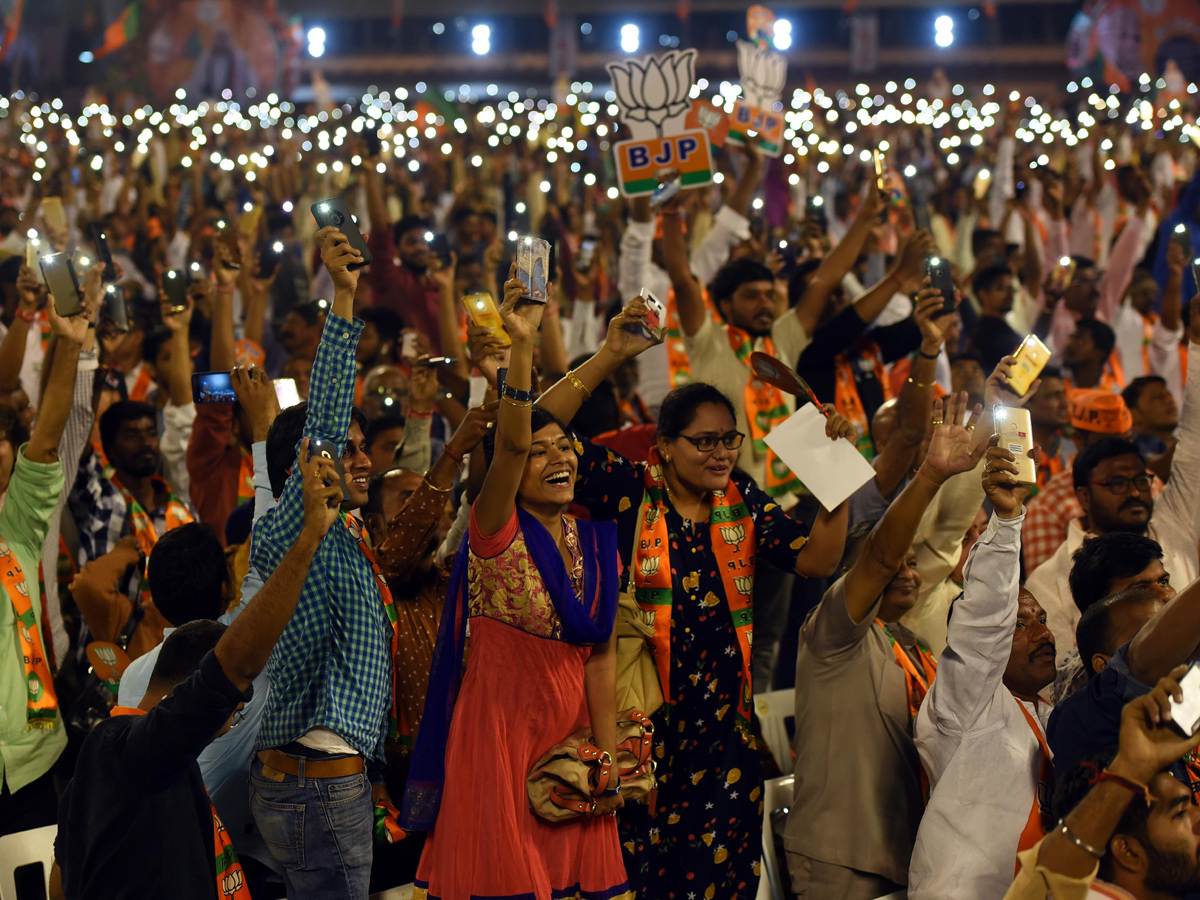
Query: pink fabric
pixel 522 694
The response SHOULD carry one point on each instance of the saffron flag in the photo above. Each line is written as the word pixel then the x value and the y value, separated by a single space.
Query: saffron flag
pixel 123 30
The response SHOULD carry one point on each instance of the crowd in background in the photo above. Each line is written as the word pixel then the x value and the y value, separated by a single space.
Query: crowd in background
pixel 392 566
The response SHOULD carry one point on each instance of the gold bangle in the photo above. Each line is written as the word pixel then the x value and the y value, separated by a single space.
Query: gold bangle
pixel 578 385
pixel 519 404
pixel 440 490
pixel 920 384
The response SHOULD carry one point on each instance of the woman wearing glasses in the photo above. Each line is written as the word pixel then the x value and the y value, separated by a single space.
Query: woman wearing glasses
pixel 702 526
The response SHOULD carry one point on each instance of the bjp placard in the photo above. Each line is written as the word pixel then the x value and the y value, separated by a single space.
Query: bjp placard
pixel 639 162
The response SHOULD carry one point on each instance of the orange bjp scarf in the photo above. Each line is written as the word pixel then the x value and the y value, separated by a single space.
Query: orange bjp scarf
pixel 766 407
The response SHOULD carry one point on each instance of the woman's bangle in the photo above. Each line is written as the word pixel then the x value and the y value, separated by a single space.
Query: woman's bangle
pixel 920 384
pixel 519 404
pixel 924 355
pixel 579 385
pixel 512 393
pixel 1079 842
pixel 440 490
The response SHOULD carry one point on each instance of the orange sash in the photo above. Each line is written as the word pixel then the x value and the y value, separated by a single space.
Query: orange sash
pixel 766 407
pixel 916 684
pixel 678 364
pixel 398 727
pixel 139 520
pixel 731 534
pixel 142 386
pixel 41 703
pixel 848 402
pixel 231 880
pixel 246 476
pixel 1034 830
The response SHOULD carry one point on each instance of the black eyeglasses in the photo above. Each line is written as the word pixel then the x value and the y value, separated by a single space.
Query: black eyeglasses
pixel 1119 484
pixel 708 443
pixel 239 716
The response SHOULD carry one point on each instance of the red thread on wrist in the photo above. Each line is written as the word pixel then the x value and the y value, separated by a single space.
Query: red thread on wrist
pixel 27 315
pixel 415 414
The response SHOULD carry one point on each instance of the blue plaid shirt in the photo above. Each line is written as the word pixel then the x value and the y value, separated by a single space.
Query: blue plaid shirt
pixel 333 665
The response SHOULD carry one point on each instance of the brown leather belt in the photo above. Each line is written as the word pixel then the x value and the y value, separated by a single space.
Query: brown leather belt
pixel 276 765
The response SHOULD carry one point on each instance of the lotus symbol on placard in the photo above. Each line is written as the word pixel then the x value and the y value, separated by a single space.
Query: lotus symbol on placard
pixel 653 93
pixel 107 656
pixel 764 73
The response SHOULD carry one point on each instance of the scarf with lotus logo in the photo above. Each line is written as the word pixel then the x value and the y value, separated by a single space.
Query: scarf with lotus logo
pixel 766 407
pixel 41 704
pixel 731 532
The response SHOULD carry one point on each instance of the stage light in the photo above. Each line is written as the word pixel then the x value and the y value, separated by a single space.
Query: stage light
pixel 629 38
pixel 316 42
pixel 943 27
pixel 481 39
pixel 783 34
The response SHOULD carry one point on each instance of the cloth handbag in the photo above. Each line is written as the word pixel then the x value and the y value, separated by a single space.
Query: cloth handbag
pixel 638 685
pixel 563 785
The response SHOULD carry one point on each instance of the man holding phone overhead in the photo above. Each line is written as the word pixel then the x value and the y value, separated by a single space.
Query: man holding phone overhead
pixel 332 700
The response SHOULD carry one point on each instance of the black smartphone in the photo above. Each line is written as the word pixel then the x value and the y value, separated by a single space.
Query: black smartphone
pixel 938 270
pixel 372 142
pixel 115 307
pixel 100 239
pixel 921 217
pixel 439 246
pixel 434 361
pixel 175 286
pixel 212 387
pixel 63 283
pixel 814 210
pixel 587 254
pixel 1183 237
pixel 321 447
pixel 269 255
pixel 334 212
pixel 1196 271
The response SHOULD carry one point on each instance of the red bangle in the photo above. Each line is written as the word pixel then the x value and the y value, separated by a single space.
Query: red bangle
pixel 27 315
pixel 413 414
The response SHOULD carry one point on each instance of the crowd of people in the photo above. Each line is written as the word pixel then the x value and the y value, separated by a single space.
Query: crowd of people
pixel 336 564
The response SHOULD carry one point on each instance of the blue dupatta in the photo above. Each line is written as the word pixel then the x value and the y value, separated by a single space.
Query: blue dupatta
pixel 598 546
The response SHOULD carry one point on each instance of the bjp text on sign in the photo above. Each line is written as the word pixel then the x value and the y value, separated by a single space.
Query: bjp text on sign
pixel 767 124
pixel 639 162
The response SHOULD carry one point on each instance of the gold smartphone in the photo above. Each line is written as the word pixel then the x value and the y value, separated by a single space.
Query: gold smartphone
pixel 880 171
pixel 983 181
pixel 248 221
pixel 1016 436
pixel 482 310
pixel 33 258
pixel 1063 274
pixel 55 215
pixel 1032 357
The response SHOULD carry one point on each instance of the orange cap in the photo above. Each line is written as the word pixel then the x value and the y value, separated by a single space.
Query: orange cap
pixel 1102 412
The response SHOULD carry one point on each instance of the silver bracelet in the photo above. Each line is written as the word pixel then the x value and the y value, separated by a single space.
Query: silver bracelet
pixel 1078 841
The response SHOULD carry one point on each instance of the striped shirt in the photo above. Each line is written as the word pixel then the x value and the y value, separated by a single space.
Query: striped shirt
pixel 332 667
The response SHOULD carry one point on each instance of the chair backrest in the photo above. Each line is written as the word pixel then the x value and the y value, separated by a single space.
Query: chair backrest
pixel 777 794
pixel 774 709
pixel 898 895
pixel 22 849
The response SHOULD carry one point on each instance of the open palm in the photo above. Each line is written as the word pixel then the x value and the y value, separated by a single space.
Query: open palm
pixel 952 449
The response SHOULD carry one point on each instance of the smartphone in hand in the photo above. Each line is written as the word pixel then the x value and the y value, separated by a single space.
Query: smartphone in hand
pixel 1031 357
pixel 651 327
pixel 63 283
pixel 1015 428
pixel 533 267
pixel 938 270
pixel 212 387
pixel 115 307
pixel 321 447
pixel 334 212
pixel 482 310
pixel 175 286
pixel 100 239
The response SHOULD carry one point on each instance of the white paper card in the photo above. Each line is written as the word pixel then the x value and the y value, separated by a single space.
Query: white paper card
pixel 831 470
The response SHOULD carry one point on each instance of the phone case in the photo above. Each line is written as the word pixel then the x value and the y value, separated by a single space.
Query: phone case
pixel 175 287
pixel 656 313
pixel 55 215
pixel 319 447
pixel 1032 357
pixel 248 223
pixel 64 286
pixel 533 267
pixel 115 307
pixel 33 258
pixel 1185 716
pixel 938 271
pixel 1063 274
pixel 880 180
pixel 1016 436
pixel 482 310
pixel 335 212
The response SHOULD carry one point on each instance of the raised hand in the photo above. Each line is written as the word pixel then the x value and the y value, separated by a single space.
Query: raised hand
pixel 521 317
pixel 952 448
pixel 72 328
pixel 1000 480
pixel 443 276
pixel 1176 259
pixel 837 425
pixel 255 392
pixel 626 337
pixel 29 290
pixel 998 393
pixel 1147 744
pixel 422 389
pixel 478 421
pixel 927 313
pixel 911 267
pixel 338 256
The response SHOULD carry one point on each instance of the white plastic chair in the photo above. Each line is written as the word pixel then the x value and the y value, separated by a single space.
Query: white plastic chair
pixel 777 794
pixel 774 709
pixel 404 892
pixel 899 895
pixel 22 849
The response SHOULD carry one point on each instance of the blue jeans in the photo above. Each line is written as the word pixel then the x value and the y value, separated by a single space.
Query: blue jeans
pixel 319 830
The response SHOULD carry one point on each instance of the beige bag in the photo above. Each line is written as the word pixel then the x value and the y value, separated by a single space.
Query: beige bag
pixel 564 784
pixel 638 685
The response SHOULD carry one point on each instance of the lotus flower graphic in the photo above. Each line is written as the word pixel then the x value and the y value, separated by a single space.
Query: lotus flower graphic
pixel 647 617
pixel 650 566
pixel 107 655
pixel 744 584
pixel 733 535
pixel 764 73
pixel 232 882
pixel 653 93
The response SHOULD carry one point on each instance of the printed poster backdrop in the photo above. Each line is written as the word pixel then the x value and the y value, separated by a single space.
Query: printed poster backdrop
pixel 207 46
pixel 1114 41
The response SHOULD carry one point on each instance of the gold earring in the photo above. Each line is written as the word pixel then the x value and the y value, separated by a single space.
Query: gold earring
pixel 666 457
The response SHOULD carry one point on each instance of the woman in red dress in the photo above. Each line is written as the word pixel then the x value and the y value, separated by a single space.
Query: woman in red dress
pixel 539 590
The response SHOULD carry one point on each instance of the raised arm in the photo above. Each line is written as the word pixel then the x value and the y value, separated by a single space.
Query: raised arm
pixel 1172 294
pixel 179 371
pixel 12 350
pixel 979 637
pixel 688 292
pixel 245 646
pixel 496 501
pixel 71 332
pixel 221 353
pixel 951 450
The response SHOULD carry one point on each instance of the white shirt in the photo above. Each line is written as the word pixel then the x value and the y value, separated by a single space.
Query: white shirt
pixel 978 749
pixel 1175 524
pixel 1162 352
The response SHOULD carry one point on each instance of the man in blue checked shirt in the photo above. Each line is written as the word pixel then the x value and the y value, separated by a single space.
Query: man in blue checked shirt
pixel 331 672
